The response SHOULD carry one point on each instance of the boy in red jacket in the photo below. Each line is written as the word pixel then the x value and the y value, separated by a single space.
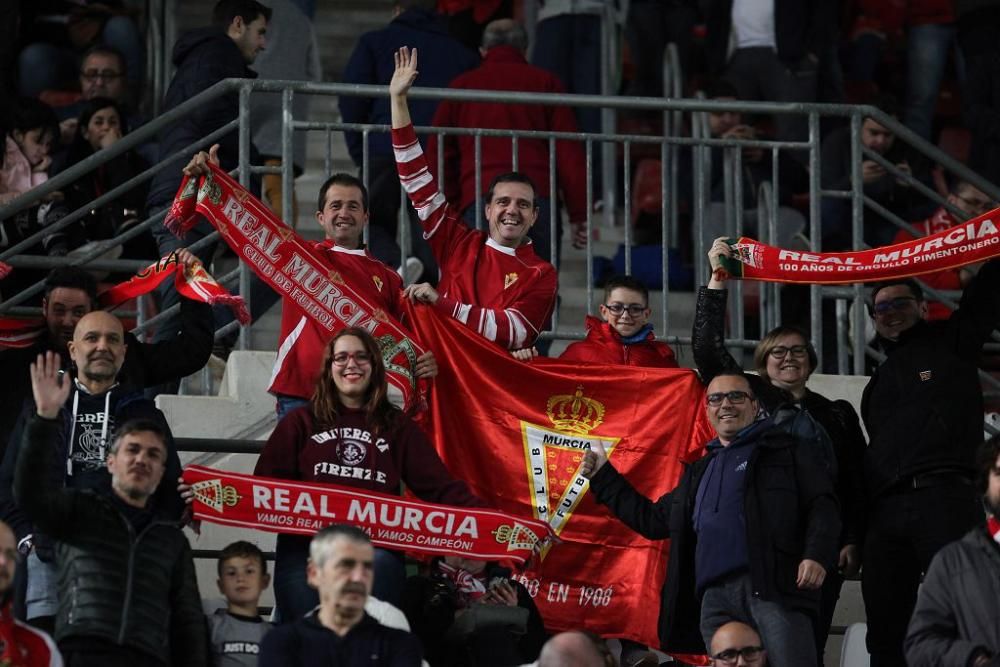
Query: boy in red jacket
pixel 625 335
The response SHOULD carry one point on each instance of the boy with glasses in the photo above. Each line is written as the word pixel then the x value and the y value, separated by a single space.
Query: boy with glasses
pixel 623 335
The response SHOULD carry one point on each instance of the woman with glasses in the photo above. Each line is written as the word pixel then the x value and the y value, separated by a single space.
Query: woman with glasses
pixel 784 359
pixel 351 435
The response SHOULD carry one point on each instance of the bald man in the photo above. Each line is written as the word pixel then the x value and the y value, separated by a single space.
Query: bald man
pixel 96 404
pixel 737 643
pixel 572 649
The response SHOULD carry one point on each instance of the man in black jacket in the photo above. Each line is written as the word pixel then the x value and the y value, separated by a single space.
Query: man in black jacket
pixel 923 409
pixel 71 293
pixel 204 57
pixel 128 593
pixel 95 405
pixel 955 621
pixel 339 631
pixel 753 529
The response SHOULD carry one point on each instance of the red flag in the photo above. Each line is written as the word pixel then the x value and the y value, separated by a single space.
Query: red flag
pixel 517 433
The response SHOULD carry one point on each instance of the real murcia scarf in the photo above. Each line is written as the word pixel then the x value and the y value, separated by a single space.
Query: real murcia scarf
pixel 284 506
pixel 965 243
pixel 291 267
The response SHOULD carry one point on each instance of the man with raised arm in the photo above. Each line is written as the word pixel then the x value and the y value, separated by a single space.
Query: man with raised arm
pixel 492 283
pixel 126 582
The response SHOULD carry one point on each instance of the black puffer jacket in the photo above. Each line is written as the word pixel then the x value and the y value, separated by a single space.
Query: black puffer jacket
pixel 134 590
pixel 203 58
pixel 923 407
pixel 791 514
pixel 837 418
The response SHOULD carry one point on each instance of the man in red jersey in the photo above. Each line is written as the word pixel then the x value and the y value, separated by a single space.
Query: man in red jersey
pixel 342 212
pixel 492 283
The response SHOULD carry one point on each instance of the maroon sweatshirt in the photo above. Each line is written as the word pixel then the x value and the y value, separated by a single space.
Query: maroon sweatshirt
pixel 350 455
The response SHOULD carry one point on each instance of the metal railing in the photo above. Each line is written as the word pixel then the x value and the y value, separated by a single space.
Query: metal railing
pixel 675 111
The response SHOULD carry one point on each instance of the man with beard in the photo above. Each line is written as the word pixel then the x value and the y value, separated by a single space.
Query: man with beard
pixel 20 644
pixel 958 606
pixel 70 293
pixel 492 283
pixel 95 404
pixel 127 588
pixel 339 631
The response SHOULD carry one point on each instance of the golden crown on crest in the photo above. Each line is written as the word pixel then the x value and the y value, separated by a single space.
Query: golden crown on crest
pixel 212 493
pixel 575 414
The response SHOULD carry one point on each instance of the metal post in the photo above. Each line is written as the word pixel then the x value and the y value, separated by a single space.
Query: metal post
pixel 243 342
pixel 590 225
pixel 857 233
pixel 627 196
pixel 815 294
pixel 479 180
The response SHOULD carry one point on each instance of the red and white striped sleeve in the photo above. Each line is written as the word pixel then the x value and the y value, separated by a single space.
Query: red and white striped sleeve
pixel 440 222
pixel 515 326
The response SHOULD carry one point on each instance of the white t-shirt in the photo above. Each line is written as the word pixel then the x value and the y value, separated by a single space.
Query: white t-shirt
pixel 753 24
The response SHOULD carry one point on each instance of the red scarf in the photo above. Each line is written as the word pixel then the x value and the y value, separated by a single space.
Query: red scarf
pixel 993 526
pixel 965 243
pixel 195 283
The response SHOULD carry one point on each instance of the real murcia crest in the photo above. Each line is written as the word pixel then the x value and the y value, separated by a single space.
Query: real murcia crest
pixel 553 455
pixel 211 492
pixel 509 280
pixel 516 536
pixel 378 282
pixel 391 348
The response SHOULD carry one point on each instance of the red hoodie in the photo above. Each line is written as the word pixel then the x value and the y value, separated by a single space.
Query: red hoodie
pixel 604 345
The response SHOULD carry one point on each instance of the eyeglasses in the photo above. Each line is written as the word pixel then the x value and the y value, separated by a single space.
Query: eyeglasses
pixel 735 397
pixel 103 74
pixel 899 303
pixel 731 655
pixel 780 351
pixel 634 309
pixel 360 358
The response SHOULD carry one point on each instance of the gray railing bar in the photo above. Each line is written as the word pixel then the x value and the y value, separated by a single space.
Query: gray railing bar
pixel 108 196
pixel 627 202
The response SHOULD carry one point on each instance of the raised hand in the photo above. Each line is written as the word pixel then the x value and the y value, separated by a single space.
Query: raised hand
pixel 718 250
pixel 49 387
pixel 593 459
pixel 198 166
pixel 406 72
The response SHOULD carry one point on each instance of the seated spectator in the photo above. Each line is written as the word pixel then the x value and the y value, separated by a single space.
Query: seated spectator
pixel 20 644
pixel 56 32
pixel 367 443
pixel 93 405
pixel 955 621
pixel 127 588
pixel 472 611
pixel 32 128
pixel 885 188
pixel 576 649
pixel 102 74
pixel 757 168
pixel 972 202
pixel 623 335
pixel 101 124
pixel 235 633
pixel 737 643
pixel 339 631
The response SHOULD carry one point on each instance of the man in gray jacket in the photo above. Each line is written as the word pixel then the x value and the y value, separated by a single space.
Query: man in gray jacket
pixel 955 620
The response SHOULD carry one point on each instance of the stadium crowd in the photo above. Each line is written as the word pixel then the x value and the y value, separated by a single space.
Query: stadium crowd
pixel 791 496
